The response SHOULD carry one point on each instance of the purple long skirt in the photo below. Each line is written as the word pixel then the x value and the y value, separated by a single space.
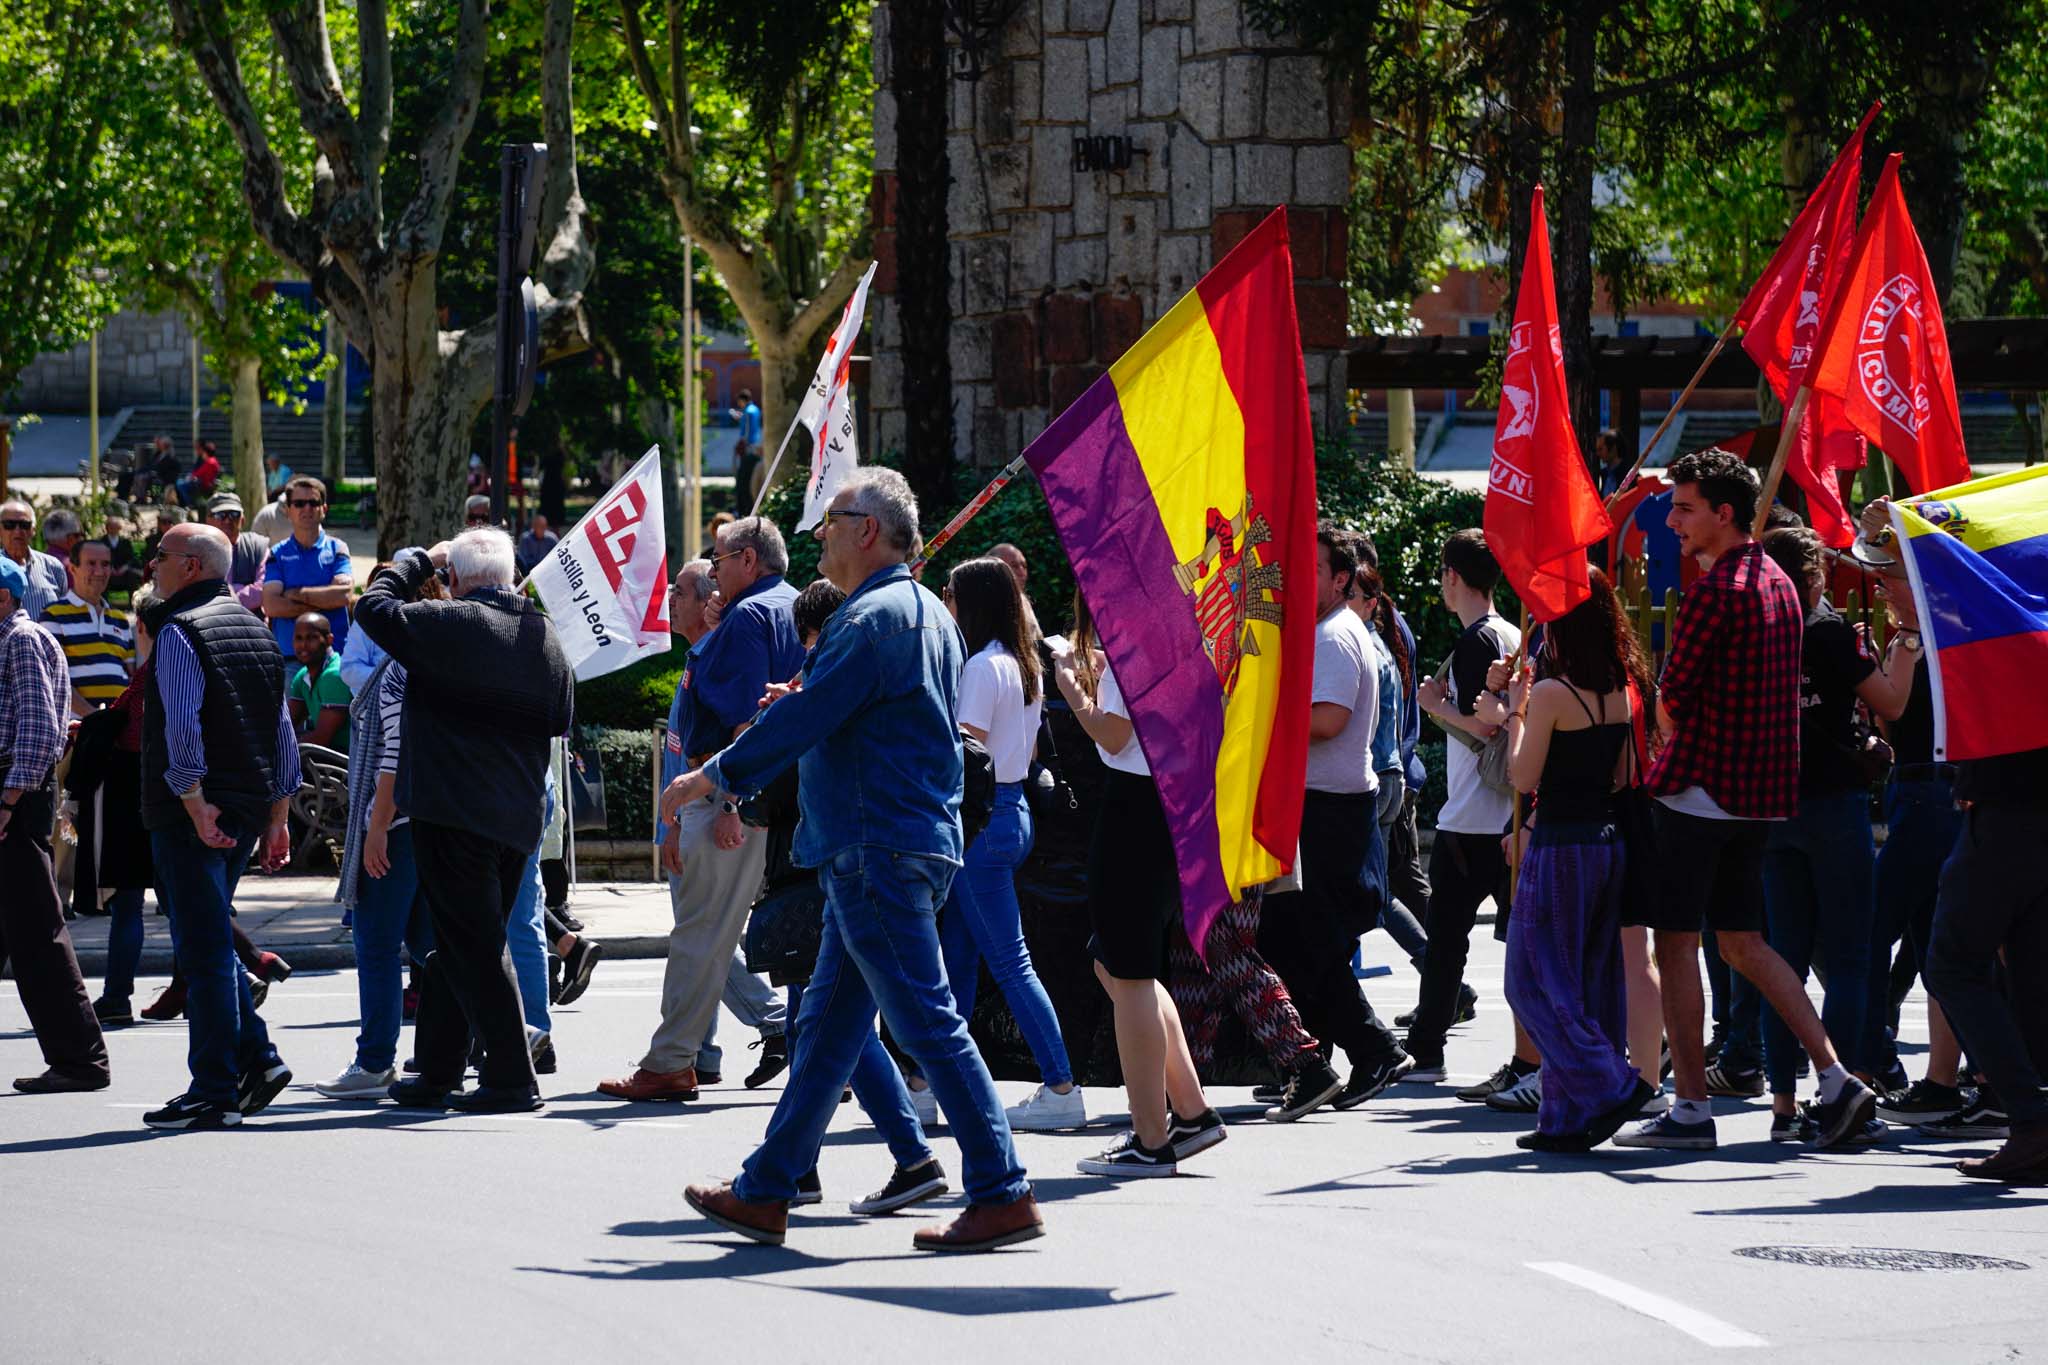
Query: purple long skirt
pixel 1564 973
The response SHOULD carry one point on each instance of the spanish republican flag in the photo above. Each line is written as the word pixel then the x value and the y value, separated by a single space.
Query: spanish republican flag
pixel 1978 558
pixel 1183 488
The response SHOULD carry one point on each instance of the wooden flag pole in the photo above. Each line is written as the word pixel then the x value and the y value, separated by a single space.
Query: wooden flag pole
pixel 1677 406
pixel 1786 435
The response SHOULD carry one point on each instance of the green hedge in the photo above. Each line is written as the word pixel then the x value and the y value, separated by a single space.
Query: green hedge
pixel 634 698
pixel 627 759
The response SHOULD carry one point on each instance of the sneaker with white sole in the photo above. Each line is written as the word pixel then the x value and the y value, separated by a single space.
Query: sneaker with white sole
pixel 358 1084
pixel 1525 1096
pixel 1510 1074
pixel 1923 1101
pixel 1046 1110
pixel 1843 1117
pixel 1198 1134
pixel 909 1185
pixel 927 1106
pixel 1667 1132
pixel 1129 1159
pixel 1981 1118
pixel 1306 1091
pixel 1659 1103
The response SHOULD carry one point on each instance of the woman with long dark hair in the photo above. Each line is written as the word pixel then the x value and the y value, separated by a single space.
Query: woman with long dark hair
pixel 1570 735
pixel 1001 692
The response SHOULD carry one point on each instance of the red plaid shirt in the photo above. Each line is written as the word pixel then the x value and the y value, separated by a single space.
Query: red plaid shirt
pixel 1731 682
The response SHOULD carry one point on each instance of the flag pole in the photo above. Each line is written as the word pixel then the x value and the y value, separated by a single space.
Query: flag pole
pixel 969 512
pixel 768 479
pixel 1787 433
pixel 1677 406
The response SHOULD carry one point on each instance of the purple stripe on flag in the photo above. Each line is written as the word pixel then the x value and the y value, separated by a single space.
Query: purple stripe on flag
pixel 1108 521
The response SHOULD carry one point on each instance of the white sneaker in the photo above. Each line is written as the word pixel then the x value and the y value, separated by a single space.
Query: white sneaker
pixel 1659 1103
pixel 1047 1109
pixel 358 1084
pixel 1525 1096
pixel 927 1106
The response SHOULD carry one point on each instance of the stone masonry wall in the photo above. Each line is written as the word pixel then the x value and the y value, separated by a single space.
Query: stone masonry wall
pixel 1057 270
pixel 145 359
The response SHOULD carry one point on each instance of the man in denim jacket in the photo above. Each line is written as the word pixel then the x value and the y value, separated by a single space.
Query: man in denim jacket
pixel 871 724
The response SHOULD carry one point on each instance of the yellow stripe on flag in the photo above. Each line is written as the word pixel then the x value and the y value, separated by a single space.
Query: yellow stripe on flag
pixel 1189 436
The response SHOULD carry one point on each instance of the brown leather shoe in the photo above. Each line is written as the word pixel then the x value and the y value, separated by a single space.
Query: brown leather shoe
pixel 653 1085
pixel 2023 1160
pixel 764 1222
pixel 984 1227
pixel 55 1082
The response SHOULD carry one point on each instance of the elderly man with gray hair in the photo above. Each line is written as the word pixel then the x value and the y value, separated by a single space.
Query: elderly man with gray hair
pixel 47 576
pixel 714 862
pixel 873 725
pixel 487 689
pixel 220 761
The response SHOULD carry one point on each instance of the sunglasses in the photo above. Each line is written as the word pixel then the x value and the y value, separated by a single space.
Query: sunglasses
pixel 716 560
pixel 308 502
pixel 483 520
pixel 162 555
pixel 17 524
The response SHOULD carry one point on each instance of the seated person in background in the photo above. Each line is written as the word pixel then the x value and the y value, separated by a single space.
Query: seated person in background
pixel 318 698
pixel 196 487
pixel 276 474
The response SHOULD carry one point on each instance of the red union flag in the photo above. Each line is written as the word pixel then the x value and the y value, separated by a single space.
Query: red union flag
pixel 1884 350
pixel 1781 320
pixel 1542 510
pixel 605 585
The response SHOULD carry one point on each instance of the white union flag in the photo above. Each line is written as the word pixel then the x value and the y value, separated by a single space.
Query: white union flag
pixel 605 585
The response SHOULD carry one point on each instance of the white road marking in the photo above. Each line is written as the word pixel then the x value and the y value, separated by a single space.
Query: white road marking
pixel 1691 1321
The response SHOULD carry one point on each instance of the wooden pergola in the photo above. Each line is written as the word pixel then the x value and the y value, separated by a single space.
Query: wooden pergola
pixel 1988 354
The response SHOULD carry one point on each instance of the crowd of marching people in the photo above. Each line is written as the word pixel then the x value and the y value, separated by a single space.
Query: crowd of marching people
pixel 853 758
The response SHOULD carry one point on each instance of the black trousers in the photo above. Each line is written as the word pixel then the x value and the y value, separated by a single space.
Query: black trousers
pixel 467 985
pixel 554 880
pixel 34 940
pixel 1464 869
pixel 1994 895
pixel 1308 936
pixel 1406 881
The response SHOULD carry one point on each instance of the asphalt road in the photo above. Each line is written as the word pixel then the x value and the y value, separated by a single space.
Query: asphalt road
pixel 1412 1229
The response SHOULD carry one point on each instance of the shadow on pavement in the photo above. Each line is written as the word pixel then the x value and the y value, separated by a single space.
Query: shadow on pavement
pixel 975 1301
pixel 1960 1196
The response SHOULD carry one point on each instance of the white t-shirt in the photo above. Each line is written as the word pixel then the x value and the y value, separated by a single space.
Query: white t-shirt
pixel 1695 801
pixel 1110 698
pixel 1347 674
pixel 992 699
pixel 1470 806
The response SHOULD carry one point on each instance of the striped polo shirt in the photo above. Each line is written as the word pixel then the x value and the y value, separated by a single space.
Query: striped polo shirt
pixel 98 643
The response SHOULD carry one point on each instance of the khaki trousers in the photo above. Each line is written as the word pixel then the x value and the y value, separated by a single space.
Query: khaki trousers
pixel 710 900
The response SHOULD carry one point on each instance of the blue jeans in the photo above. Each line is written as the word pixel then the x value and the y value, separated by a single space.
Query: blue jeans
pixel 526 935
pixel 197 886
pixel 757 1006
pixel 1922 823
pixel 1817 873
pixel 878 1087
pixel 124 944
pixel 388 914
pixel 880 947
pixel 983 921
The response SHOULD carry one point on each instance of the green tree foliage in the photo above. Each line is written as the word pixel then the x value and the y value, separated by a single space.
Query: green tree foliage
pixel 66 69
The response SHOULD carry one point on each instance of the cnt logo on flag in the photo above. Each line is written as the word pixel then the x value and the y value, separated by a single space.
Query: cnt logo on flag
pixel 1888 344
pixel 1520 390
pixel 1806 324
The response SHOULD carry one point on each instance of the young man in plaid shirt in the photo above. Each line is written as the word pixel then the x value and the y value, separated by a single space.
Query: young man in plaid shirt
pixel 1728 718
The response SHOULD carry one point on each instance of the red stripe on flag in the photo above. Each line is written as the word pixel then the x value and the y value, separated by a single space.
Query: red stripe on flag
pixel 1980 683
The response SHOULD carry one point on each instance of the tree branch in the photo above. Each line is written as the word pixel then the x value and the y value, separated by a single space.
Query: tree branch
pixel 300 29
pixel 373 23
pixel 202 30
pixel 566 255
pixel 426 217
pixel 833 294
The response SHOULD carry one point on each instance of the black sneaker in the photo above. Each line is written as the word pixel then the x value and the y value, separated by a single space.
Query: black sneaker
pixel 1198 1134
pixel 113 1013
pixel 1845 1116
pixel 1729 1083
pixel 1507 1077
pixel 774 1060
pixel 1429 1068
pixel 1467 1011
pixel 188 1112
pixel 908 1185
pixel 1923 1101
pixel 1270 1092
pixel 417 1092
pixel 1306 1091
pixel 577 967
pixel 1367 1082
pixel 1715 1042
pixel 543 1048
pixel 1981 1118
pixel 498 1099
pixel 809 1190
pixel 261 1084
pixel 1797 1126
pixel 1127 1158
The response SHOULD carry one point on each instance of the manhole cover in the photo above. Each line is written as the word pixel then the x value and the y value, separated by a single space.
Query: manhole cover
pixel 1879 1258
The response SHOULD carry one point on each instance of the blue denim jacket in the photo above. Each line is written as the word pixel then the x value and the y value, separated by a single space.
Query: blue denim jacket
pixel 874 732
pixel 1386 730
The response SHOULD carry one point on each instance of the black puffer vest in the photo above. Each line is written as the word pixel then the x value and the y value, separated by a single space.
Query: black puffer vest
pixel 238 711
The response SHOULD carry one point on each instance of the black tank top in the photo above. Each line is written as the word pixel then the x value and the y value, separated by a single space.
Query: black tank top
pixel 1578 772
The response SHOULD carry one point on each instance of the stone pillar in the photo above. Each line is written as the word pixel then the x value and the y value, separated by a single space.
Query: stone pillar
pixel 1068 243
